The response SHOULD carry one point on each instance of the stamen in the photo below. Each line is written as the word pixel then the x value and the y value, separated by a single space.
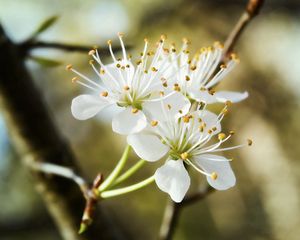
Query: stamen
pixel 184 155
pixel 154 123
pixel 250 142
pixel 214 176
pixel 134 110
pixel 74 79
pixel 104 94
pixel 91 52
pixel 221 136
pixel 126 88
pixel 69 67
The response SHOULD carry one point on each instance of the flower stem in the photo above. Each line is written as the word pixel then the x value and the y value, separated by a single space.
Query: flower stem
pixel 120 191
pixel 129 172
pixel 114 174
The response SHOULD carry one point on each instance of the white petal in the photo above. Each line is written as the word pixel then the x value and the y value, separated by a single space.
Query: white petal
pixel 167 108
pixel 203 96
pixel 86 106
pixel 211 120
pixel 147 147
pixel 225 176
pixel 127 122
pixel 223 96
pixel 173 179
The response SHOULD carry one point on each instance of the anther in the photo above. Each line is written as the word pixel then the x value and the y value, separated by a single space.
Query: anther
pixel 165 84
pixel 134 110
pixel 187 78
pixel 138 62
pixel 249 141
pixel 193 68
pixel 221 136
pixel 161 93
pixel 209 131
pixel 154 69
pixel 109 42
pixel 127 65
pixel 126 88
pixel 214 176
pixel 69 67
pixel 169 106
pixel 176 87
pixel 104 94
pixel 223 66
pixel 118 65
pixel 91 52
pixel 184 155
pixel 231 133
pixel 91 62
pixel 154 123
pixel 120 34
pixel 214 128
pixel 146 40
pixel 74 79
pixel 228 103
pixel 186 119
pixel 163 37
pixel 218 45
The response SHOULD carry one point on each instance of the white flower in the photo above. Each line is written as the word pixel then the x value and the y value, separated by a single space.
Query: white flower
pixel 121 84
pixel 195 77
pixel 186 140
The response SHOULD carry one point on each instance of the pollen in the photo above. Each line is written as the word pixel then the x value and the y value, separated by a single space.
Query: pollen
pixel 214 176
pixel 161 93
pixel 118 65
pixel 186 119
pixel 104 94
pixel 214 129
pixel 109 42
pixel 74 79
pixel 176 87
pixel 91 62
pixel 138 62
pixel 223 66
pixel 91 52
pixel 250 142
pixel 228 103
pixel 221 136
pixel 232 133
pixel 193 68
pixel 165 84
pixel 202 89
pixel 69 67
pixel 234 57
pixel 187 78
pixel 102 71
pixel 126 88
pixel 134 110
pixel 154 123
pixel 169 106
pixel 184 155
pixel 154 69
pixel 217 44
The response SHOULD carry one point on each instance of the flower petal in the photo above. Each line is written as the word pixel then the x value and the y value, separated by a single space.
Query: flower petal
pixel 173 179
pixel 203 96
pixel 147 147
pixel 127 122
pixel 225 176
pixel 86 106
pixel 172 106
pixel 223 96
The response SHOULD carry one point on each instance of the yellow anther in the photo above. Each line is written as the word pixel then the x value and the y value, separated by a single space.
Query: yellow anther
pixel 221 136
pixel 201 128
pixel 211 92
pixel 118 65
pixel 176 87
pixel 169 106
pixel 104 94
pixel 228 103
pixel 187 78
pixel 127 65
pixel 138 62
pixel 210 49
pixel 91 62
pixel 184 155
pixel 225 111
pixel 223 66
pixel 200 120
pixel 146 71
pixel 102 71
pixel 173 50
pixel 218 45
pixel 109 42
pixel 209 131
pixel 214 176
pixel 189 61
pixel 165 84
pixel 154 123
pixel 69 67
pixel 186 119
pixel 134 110
pixel 202 89
pixel 161 93
pixel 180 111
pixel 92 52
pixel 203 50
pixel 250 142
pixel 234 57
pixel 126 88
pixel 123 68
pixel 154 69
pixel 193 68
pixel 186 41
pixel 74 79
pixel 231 132
pixel 120 34
pixel 146 40
pixel 214 128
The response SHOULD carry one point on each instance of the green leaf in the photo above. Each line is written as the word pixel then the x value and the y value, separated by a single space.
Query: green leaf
pixel 45 62
pixel 44 26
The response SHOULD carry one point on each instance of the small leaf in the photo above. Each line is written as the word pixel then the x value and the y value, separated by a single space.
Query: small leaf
pixel 44 26
pixel 45 62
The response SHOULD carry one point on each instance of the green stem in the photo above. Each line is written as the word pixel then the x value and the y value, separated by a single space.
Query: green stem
pixel 120 191
pixel 129 172
pixel 114 174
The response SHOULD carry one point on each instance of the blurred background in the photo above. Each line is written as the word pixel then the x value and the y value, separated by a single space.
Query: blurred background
pixel 265 204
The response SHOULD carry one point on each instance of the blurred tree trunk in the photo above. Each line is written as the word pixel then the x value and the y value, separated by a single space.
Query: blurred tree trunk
pixel 35 136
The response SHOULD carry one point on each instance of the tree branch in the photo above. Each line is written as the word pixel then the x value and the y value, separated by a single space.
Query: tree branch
pixel 36 137
pixel 172 211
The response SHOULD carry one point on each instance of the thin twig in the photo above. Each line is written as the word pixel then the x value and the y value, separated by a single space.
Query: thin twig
pixel 172 211
pixel 252 10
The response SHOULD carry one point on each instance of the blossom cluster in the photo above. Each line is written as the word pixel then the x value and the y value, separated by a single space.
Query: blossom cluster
pixel 164 97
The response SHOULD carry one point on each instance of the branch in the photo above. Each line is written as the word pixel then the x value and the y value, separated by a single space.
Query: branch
pixel 252 9
pixel 172 211
pixel 35 136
